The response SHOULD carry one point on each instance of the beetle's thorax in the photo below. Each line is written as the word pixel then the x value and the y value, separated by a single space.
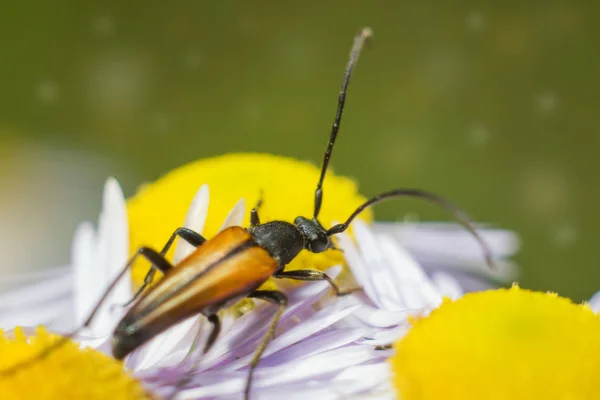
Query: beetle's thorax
pixel 284 240
pixel 281 239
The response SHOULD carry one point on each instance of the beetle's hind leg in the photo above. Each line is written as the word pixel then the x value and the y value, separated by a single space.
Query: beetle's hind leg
pixel 190 236
pixel 314 275
pixel 275 297
pixel 214 333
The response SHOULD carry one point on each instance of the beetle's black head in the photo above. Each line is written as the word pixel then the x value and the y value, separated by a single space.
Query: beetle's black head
pixel 315 236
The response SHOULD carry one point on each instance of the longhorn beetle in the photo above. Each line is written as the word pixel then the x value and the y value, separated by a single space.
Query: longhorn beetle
pixel 236 262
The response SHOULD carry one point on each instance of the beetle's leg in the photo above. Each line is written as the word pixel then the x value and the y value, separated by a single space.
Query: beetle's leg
pixel 214 320
pixel 314 275
pixel 193 238
pixel 157 260
pixel 272 296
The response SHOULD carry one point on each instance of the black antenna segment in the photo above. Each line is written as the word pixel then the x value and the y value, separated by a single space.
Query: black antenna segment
pixel 359 41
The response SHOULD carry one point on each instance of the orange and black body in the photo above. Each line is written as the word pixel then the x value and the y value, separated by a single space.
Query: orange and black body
pixel 220 272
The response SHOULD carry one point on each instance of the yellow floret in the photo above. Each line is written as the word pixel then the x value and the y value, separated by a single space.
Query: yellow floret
pixel 501 344
pixel 287 187
pixel 66 373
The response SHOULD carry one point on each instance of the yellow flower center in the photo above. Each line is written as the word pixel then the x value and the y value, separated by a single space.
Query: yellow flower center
pixel 501 344
pixel 67 373
pixel 287 187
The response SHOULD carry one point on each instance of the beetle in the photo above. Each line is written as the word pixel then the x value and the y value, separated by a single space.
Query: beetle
pixel 236 262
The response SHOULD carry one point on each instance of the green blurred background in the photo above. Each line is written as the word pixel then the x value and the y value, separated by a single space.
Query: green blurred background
pixel 493 104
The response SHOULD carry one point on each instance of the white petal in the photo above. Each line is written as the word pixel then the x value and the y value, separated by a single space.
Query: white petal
pixel 320 364
pixel 24 278
pixel 26 300
pixel 53 288
pixel 370 376
pixel 85 278
pixel 448 245
pixel 322 319
pixel 595 302
pixel 151 354
pixel 180 351
pixel 452 238
pixel 301 370
pixel 236 215
pixel 448 285
pixel 415 288
pixel 194 220
pixel 43 314
pixel 379 318
pixel 115 227
pixel 356 265
pixel 98 343
pixel 358 382
pixel 319 343
pixel 112 252
pixel 380 337
pixel 383 277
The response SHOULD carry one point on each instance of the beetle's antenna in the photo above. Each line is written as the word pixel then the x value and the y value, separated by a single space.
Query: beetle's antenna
pixel 359 42
pixel 459 214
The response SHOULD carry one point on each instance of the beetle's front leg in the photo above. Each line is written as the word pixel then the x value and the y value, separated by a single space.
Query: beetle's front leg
pixel 190 236
pixel 314 275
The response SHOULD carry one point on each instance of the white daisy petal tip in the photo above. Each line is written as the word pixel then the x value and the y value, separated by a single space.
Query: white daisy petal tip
pixel 195 220
pixel 196 215
pixel 448 285
pixel 112 189
pixel 594 302
pixel 114 211
pixel 236 215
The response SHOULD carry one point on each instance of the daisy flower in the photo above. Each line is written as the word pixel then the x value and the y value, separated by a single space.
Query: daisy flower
pixel 323 344
pixel 499 344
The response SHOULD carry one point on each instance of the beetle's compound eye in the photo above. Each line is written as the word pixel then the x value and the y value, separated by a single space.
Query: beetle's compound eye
pixel 315 237
pixel 320 244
